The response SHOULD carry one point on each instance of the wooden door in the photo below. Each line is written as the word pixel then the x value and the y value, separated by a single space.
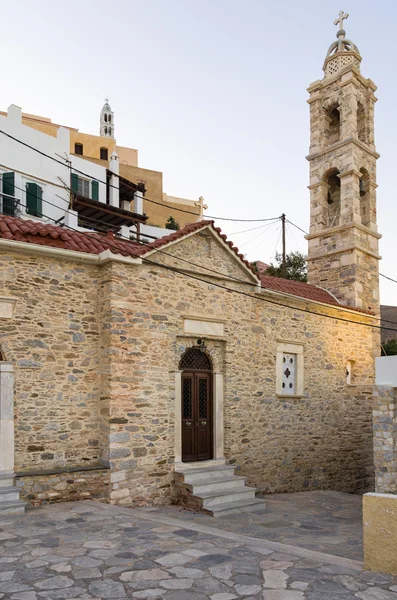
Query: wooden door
pixel 197 423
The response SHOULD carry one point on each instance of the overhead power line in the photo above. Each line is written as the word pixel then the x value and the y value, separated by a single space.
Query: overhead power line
pixel 150 200
pixel 240 292
pixel 64 164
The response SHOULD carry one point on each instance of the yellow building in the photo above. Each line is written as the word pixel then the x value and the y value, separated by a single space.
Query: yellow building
pixel 98 148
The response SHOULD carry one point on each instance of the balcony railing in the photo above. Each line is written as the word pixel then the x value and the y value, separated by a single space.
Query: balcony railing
pixel 9 205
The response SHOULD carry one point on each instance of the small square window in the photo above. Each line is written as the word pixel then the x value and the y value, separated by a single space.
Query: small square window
pixel 104 154
pixel 78 149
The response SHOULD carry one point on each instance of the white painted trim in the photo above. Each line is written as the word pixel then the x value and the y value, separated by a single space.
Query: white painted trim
pixel 218 418
pixel 295 348
pixel 83 257
pixel 7 305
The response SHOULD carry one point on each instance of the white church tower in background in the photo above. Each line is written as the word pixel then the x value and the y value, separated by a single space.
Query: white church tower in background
pixel 107 121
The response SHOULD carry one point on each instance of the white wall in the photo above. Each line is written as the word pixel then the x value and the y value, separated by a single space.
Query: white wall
pixel 93 171
pixel 386 370
pixel 30 166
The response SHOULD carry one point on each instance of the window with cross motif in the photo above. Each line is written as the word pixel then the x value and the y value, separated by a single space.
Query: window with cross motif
pixel 289 373
pixel 289 369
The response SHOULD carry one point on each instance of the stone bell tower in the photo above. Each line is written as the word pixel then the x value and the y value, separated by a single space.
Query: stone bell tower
pixel 343 240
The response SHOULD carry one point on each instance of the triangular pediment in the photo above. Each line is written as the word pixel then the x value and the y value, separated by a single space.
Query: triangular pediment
pixel 206 251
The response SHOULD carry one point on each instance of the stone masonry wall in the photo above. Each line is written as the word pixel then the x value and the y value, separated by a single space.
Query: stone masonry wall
pixel 95 351
pixel 47 488
pixel 385 439
pixel 322 440
pixel 53 343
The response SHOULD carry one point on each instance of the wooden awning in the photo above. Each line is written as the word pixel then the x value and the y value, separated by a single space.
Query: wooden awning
pixel 102 217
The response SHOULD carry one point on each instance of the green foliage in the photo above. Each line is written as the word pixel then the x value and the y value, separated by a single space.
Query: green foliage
pixel 296 267
pixel 172 224
pixel 389 348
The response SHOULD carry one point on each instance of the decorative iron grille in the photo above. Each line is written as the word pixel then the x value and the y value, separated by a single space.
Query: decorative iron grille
pixel 203 398
pixel 187 398
pixel 195 359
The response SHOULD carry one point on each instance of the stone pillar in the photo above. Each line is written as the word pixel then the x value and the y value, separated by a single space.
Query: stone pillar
pixel 114 182
pixel 218 417
pixel 6 419
pixel 138 202
pixel 177 418
pixel 385 438
pixel 350 197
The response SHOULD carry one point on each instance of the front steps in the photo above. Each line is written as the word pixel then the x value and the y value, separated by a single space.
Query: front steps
pixel 10 504
pixel 215 490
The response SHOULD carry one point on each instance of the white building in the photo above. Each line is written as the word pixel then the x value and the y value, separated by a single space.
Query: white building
pixel 41 180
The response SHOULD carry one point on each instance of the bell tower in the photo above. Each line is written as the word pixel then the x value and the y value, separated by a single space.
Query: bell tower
pixel 343 240
pixel 107 121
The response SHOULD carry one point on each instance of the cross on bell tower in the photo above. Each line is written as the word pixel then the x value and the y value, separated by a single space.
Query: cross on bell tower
pixel 343 240
pixel 106 121
pixel 339 21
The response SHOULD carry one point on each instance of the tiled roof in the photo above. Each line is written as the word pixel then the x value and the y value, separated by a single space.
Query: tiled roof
pixel 34 232
pixel 297 288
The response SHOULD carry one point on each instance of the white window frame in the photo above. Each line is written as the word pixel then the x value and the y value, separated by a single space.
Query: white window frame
pixel 287 347
pixel 84 180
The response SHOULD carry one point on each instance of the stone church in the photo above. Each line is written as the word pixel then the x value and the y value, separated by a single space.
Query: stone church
pixel 173 371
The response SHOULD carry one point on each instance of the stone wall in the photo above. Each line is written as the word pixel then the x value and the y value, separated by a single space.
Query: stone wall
pixel 385 438
pixel 52 342
pixel 63 486
pixel 96 349
pixel 321 440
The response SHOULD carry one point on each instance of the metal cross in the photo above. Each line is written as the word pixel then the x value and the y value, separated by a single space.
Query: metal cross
pixel 342 17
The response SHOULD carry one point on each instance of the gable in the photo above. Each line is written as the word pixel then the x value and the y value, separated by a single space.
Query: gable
pixel 205 252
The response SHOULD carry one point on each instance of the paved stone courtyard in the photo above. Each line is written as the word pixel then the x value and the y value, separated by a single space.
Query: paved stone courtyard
pixel 325 521
pixel 89 550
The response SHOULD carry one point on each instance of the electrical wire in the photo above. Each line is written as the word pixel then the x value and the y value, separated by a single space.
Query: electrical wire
pixel 240 292
pixel 132 186
pixel 178 258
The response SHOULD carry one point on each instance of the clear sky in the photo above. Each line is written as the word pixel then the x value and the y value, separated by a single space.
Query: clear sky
pixel 211 92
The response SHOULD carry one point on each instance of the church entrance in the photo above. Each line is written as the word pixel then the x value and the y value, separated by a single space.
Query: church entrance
pixel 197 413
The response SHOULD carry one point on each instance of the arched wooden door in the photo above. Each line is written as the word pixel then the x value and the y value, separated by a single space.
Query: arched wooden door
pixel 197 412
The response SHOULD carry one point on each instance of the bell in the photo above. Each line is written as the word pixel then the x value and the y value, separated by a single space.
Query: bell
pixel 362 188
pixel 329 198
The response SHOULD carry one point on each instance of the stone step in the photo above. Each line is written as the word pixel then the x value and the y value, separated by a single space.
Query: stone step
pixel 6 481
pixel 195 475
pixel 8 494
pixel 16 507
pixel 210 499
pixel 235 482
pixel 233 508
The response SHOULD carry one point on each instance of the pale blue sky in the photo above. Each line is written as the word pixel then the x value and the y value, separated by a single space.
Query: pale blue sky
pixel 211 92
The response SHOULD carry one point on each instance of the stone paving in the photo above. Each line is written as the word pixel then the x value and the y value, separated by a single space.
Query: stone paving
pixel 90 551
pixel 325 521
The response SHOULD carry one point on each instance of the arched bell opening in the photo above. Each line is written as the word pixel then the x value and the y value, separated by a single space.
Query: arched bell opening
pixel 333 126
pixel 361 123
pixel 333 182
pixel 365 197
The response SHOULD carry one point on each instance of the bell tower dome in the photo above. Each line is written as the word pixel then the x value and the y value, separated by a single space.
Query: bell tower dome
pixel 107 121
pixel 343 240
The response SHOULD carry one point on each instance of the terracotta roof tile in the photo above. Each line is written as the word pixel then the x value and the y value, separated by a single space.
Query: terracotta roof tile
pixel 33 232
pixel 297 288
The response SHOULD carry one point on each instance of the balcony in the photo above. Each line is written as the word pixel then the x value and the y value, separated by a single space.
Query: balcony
pixel 9 205
pixel 104 217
